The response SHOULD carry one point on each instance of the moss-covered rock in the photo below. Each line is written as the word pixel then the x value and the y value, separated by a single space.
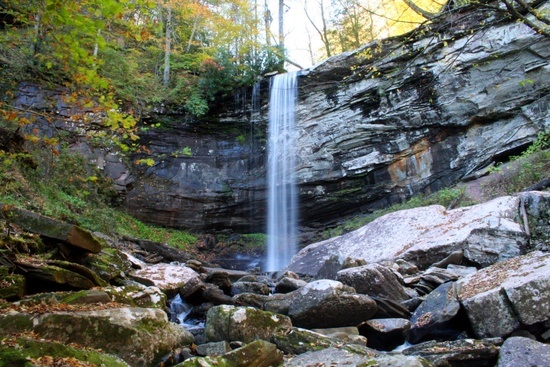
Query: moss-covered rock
pixel 139 336
pixel 11 285
pixel 137 296
pixel 18 352
pixel 298 341
pixel 243 324
pixel 109 264
pixel 59 272
pixel 259 353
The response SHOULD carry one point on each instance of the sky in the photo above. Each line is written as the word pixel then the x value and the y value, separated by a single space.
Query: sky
pixel 298 31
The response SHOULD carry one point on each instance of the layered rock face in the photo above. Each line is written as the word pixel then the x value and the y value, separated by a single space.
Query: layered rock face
pixel 397 117
pixel 416 114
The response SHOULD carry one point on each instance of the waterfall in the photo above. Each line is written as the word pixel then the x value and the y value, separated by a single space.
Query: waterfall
pixel 282 201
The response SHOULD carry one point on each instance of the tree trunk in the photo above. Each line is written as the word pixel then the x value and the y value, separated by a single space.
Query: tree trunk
pixel 281 26
pixel 167 47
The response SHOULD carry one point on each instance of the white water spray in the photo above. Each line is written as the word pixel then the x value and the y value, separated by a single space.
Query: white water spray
pixel 282 217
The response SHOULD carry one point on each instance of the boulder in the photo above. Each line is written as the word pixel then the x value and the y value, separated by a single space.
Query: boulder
pixel 59 273
pixel 508 295
pixel 52 228
pixel 249 287
pixel 385 334
pixel 436 317
pixel 459 353
pixel 374 280
pixel 245 324
pixel 139 336
pixel 24 351
pixel 137 295
pixel 347 335
pixel 213 348
pixel 168 277
pixel 109 264
pixel 523 352
pixel 288 284
pixel 354 356
pixel 487 233
pixel 328 303
pixel 11 285
pixel 298 341
pixel 258 353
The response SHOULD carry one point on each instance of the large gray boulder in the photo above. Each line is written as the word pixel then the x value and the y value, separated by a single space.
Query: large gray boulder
pixel 374 280
pixel 328 303
pixel 487 233
pixel 523 352
pixel 508 295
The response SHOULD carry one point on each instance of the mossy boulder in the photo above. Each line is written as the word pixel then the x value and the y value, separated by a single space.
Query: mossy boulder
pixel 140 336
pixel 298 341
pixel 138 295
pixel 244 324
pixel 19 352
pixel 11 285
pixel 258 353
pixel 59 272
pixel 109 264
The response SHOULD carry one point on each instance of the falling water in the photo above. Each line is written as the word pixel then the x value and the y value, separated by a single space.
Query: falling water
pixel 282 204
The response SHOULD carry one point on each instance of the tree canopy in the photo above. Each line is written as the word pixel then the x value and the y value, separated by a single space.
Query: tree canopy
pixel 136 53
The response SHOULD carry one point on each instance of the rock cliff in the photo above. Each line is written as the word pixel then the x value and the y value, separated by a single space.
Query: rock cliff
pixel 397 117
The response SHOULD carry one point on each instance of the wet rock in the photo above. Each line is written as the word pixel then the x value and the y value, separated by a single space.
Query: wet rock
pixel 245 324
pixel 459 353
pixel 433 319
pixel 508 295
pixel 523 352
pixel 374 280
pixel 385 334
pixel 328 303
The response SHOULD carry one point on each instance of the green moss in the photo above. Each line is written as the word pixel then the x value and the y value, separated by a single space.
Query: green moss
pixel 109 264
pixel 16 353
pixel 12 286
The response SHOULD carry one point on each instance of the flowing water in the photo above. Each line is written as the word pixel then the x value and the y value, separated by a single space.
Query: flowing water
pixel 282 217
pixel 180 313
